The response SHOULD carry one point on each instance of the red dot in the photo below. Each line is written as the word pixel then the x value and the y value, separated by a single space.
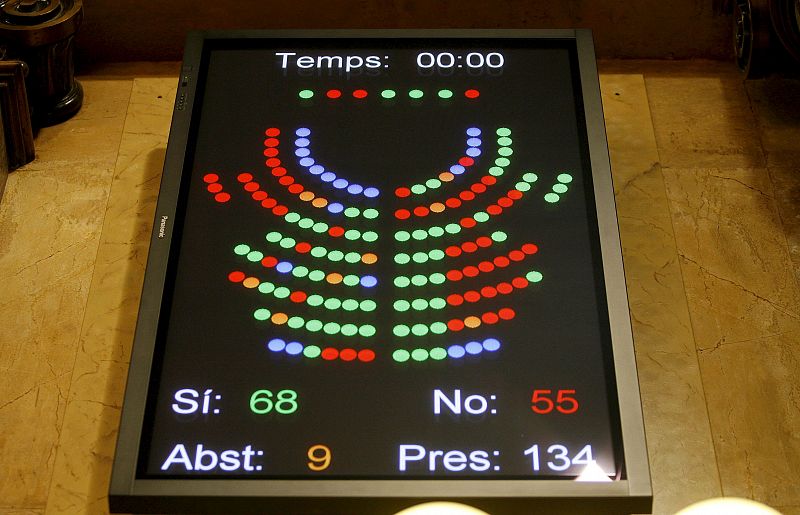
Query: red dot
pixel 514 194
pixel 272 132
pixel 472 296
pixel 244 177
pixel 222 197
pixel 269 203
pixel 402 192
pixel 516 255
pixel 469 246
pixel 478 188
pixel 270 152
pixel 506 313
pixel 494 209
pixel 402 214
pixel 214 187
pixel 452 251
pixel 336 231
pixel 519 282
pixel 279 171
pixel 505 202
pixel 471 271
pixel 466 195
pixel 452 203
pixel 421 211
pixel 348 354
pixel 303 247
pixel 454 299
pixel 298 296
pixel 488 180
pixel 210 178
pixel 252 186
pixel 366 355
pixel 280 210
pixel 485 266
pixel 472 93
pixel 488 292
pixel 269 261
pixel 454 275
pixel 483 242
pixel 259 195
pixel 455 325
pixel 333 93
pixel 489 318
pixel 360 93
pixel 468 222
pixel 501 262
pixel 530 248
pixel 272 162
pixel 505 288
pixel 296 189
pixel 330 353
pixel 286 180
pixel 271 142
pixel 236 277
pixel 466 161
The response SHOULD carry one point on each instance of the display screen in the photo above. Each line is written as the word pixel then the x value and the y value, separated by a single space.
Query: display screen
pixel 385 265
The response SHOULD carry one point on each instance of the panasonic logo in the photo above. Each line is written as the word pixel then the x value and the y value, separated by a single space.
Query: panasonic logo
pixel 162 228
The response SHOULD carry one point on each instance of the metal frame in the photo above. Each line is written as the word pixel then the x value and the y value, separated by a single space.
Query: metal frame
pixel 630 495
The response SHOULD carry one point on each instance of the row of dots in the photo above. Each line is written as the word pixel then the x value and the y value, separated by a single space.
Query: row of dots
pixel 213 186
pixel 487 292
pixel 317 251
pixel 489 266
pixel 300 271
pixel 255 256
pixel 294 348
pixel 313 325
pixel 402 281
pixel 473 322
pixel 419 304
pixel 307 161
pixel 559 188
pixel 454 351
pixel 481 242
pixel 388 94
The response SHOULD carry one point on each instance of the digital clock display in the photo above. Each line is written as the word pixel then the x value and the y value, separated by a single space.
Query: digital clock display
pixel 385 264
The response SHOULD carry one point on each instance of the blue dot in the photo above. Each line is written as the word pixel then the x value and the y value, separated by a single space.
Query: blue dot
pixel 302 132
pixel 340 184
pixel 294 348
pixel 335 207
pixel 473 152
pixel 317 169
pixel 355 189
pixel 368 281
pixel 302 152
pixel 474 347
pixel 457 169
pixel 491 344
pixel 303 142
pixel 473 131
pixel 306 161
pixel 284 267
pixel 371 192
pixel 456 351
pixel 472 142
pixel 276 345
pixel 328 176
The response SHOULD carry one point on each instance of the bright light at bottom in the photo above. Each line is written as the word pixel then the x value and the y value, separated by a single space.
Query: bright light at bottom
pixel 593 474
pixel 728 506
pixel 441 508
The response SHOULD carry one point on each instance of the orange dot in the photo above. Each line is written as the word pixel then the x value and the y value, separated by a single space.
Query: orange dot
pixel 334 278
pixel 369 258
pixel 472 322
pixel 279 318
pixel 306 196
pixel 446 176
pixel 319 202
pixel 251 282
pixel 437 207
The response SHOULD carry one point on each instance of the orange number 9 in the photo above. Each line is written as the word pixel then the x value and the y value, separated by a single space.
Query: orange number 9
pixel 320 457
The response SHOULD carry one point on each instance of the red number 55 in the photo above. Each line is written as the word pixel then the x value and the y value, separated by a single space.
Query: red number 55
pixel 543 403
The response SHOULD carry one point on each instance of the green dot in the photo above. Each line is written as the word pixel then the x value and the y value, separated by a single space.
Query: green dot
pixel 522 186
pixel 503 131
pixel 292 218
pixel 452 228
pixel 401 305
pixel 401 330
pixel 352 234
pixel 402 259
pixel 481 217
pixel 445 93
pixel 352 257
pixel 368 305
pixel 287 243
pixel 419 354
pixel 401 281
pixel 331 328
pixel 316 275
pixel 496 171
pixel 499 236
pixel 352 212
pixel 436 254
pixel 419 304
pixel 312 351
pixel 502 161
pixel 255 256
pixel 313 325
pixel 319 227
pixel 370 236
pixel 437 303
pixel 504 151
pixel 295 322
pixel 418 189
pixel 262 314
pixel 366 330
pixel 558 188
pixel 371 213
pixel 282 292
pixel 351 280
pixel 350 305
pixel 333 303
pixel 533 276
pixel 306 223
pixel 388 93
pixel 306 93
pixel 319 252
pixel 420 257
pixel 437 278
pixel 552 197
pixel 438 328
pixel 419 329
pixel 401 355
pixel 433 183
pixel 564 178
pixel 274 237
pixel 241 249
pixel 349 329
pixel 436 231
pixel 419 280
pixel 419 234
pixel 504 141
pixel 415 93
pixel 336 255
pixel 300 271
pixel 315 300
pixel 266 287
pixel 530 177
pixel 402 236
pixel 438 353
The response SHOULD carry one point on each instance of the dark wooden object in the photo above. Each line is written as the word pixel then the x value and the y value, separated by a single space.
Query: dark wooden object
pixel 16 116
